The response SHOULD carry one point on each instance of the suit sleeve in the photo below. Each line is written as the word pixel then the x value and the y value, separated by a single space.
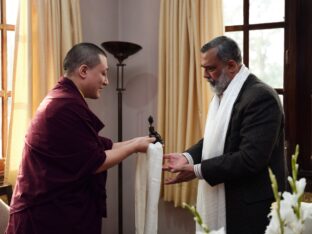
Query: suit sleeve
pixel 257 129
pixel 196 151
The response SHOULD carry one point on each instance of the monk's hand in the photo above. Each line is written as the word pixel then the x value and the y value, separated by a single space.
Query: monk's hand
pixel 182 176
pixel 174 162
pixel 141 143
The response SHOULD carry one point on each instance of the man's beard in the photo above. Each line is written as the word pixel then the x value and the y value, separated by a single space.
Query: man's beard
pixel 218 86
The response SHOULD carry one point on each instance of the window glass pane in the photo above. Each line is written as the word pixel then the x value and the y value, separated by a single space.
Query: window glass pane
pixel 11 11
pixel 238 37
pixel 265 11
pixel 266 55
pixel 10 54
pixel 233 12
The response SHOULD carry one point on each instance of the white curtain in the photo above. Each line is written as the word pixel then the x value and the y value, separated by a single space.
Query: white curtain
pixel 45 31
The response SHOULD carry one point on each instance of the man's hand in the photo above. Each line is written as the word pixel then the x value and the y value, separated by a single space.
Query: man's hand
pixel 183 176
pixel 176 162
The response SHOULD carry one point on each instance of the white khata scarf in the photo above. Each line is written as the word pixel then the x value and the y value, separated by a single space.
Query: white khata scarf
pixel 147 189
pixel 211 200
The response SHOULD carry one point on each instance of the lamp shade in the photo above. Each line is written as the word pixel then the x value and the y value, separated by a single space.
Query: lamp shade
pixel 121 49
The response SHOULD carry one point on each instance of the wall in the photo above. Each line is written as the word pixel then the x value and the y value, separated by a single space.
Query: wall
pixel 134 21
pixel 139 24
pixel 99 24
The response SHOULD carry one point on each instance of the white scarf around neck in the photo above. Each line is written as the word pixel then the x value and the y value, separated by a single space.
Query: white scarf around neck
pixel 211 200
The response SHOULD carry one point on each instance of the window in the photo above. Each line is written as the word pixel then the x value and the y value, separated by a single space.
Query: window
pixel 259 29
pixel 8 14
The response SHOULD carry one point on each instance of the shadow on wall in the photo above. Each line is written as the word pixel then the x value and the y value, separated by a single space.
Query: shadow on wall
pixel 141 89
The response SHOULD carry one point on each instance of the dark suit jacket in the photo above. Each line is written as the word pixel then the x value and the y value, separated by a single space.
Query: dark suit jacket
pixel 254 142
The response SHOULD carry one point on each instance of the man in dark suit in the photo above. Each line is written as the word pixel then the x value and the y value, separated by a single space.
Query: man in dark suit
pixel 243 138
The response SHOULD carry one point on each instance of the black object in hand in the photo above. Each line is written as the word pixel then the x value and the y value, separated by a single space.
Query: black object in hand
pixel 153 132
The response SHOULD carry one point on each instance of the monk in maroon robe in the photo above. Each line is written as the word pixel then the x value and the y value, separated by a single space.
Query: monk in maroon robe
pixel 60 187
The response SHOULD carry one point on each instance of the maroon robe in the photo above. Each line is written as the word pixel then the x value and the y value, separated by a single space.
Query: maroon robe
pixel 56 190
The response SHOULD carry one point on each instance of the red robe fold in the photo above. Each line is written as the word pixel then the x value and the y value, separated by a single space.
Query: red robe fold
pixel 56 190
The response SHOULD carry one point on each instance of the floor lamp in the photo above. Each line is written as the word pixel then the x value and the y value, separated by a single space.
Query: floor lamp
pixel 121 50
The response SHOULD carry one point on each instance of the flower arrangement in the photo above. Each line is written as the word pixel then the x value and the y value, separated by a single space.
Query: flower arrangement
pixel 288 213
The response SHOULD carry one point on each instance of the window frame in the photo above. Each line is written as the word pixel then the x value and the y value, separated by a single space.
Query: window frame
pixel 298 112
pixel 5 94
pixel 246 28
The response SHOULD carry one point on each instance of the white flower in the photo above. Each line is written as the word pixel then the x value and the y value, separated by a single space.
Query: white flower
pixel 273 227
pixel 300 186
pixel 290 199
pixel 294 227
pixel 306 210
pixel 287 204
pixel 220 231
pixel 288 214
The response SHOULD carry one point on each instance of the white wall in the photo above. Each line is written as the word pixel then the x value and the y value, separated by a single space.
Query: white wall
pixel 134 21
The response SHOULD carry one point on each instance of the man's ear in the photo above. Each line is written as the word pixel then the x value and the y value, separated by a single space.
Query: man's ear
pixel 232 66
pixel 83 71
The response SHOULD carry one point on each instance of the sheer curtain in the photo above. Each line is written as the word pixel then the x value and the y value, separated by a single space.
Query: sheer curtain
pixel 45 31
pixel 183 94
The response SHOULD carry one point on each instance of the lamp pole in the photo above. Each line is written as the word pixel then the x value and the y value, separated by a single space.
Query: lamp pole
pixel 120 89
pixel 121 50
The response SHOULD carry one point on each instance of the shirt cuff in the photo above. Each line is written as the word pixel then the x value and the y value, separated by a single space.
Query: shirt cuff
pixel 188 158
pixel 197 171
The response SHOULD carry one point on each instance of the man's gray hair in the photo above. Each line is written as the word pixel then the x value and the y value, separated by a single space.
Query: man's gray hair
pixel 227 49
pixel 82 53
